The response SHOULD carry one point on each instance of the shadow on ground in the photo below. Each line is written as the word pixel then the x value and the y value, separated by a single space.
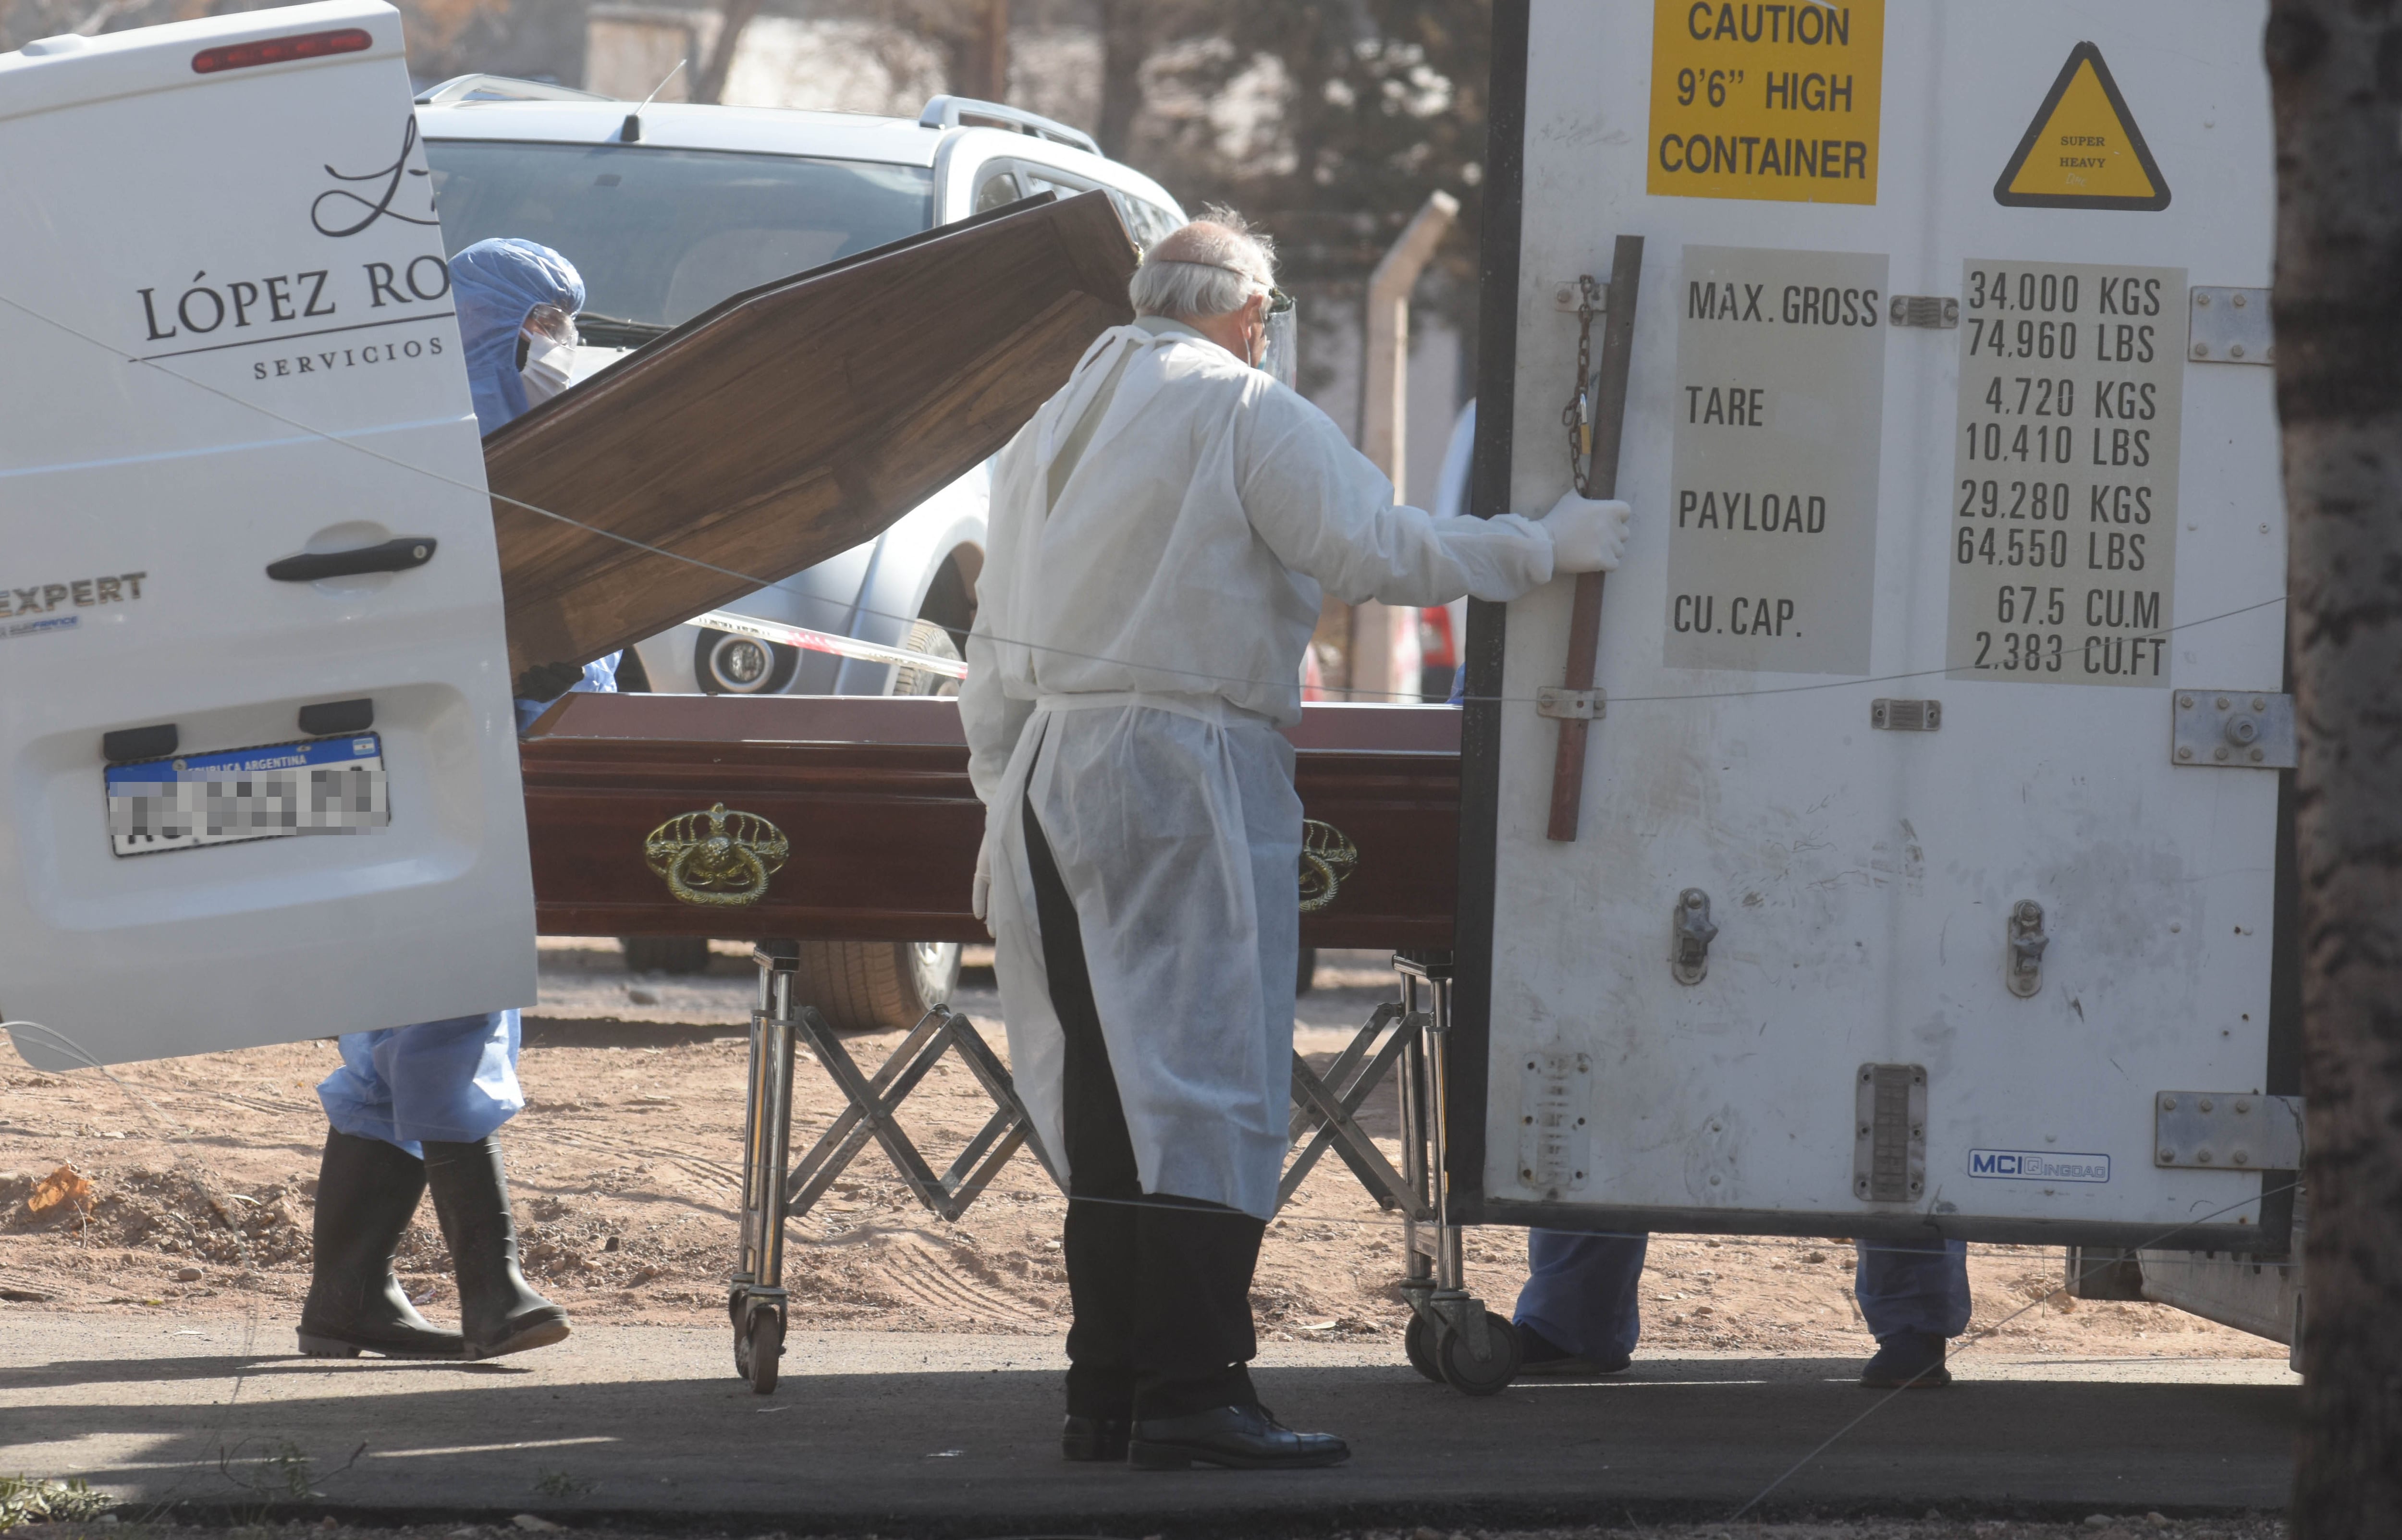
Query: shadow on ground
pixel 899 1436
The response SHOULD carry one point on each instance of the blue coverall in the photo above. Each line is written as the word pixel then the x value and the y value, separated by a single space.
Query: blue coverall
pixel 456 1080
pixel 1581 1290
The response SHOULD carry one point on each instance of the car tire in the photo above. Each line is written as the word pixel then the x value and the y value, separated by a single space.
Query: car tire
pixel 867 986
pixel 871 986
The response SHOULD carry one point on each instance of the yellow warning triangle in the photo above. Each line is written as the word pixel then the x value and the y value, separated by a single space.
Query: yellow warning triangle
pixel 2083 150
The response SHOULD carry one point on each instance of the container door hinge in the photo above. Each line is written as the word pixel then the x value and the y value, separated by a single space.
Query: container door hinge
pixel 2233 729
pixel 1889 1133
pixel 2227 1131
pixel 2231 326
pixel 1553 1143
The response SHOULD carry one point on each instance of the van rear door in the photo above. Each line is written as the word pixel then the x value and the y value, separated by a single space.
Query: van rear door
pixel 259 780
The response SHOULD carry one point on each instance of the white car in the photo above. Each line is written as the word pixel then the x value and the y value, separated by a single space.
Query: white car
pixel 667 212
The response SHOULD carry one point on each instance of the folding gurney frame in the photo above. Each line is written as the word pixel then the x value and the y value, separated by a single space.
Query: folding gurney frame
pixel 1451 1336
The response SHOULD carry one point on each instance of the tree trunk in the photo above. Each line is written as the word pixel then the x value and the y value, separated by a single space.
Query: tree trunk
pixel 2336 68
pixel 709 85
pixel 1125 43
pixel 986 77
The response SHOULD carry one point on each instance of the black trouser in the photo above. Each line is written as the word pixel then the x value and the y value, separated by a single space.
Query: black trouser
pixel 1161 1286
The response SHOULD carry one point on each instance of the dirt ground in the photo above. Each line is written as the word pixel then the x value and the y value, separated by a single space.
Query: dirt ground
pixel 624 1166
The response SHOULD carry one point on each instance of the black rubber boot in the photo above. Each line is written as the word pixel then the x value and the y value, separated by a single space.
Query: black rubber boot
pixel 367 1191
pixel 1907 1360
pixel 498 1312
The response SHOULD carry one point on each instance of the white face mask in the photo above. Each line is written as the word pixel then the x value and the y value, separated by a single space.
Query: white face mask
pixel 544 374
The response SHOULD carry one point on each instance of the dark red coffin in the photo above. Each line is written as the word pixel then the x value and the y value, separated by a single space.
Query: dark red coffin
pixel 872 828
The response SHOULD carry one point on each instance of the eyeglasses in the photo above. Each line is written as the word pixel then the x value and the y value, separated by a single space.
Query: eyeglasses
pixel 1279 302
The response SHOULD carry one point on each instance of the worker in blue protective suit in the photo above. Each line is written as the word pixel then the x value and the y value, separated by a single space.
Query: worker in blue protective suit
pixel 1577 1314
pixel 516 307
pixel 415 1109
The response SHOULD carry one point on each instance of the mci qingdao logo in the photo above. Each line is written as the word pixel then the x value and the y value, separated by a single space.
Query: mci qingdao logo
pixel 2034 1166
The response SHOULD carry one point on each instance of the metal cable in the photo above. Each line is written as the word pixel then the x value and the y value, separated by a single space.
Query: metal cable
pixel 1196 675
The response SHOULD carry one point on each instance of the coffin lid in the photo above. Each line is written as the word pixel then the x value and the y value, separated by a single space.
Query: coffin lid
pixel 791 423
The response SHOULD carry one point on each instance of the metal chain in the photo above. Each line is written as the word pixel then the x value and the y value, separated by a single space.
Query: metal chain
pixel 1577 416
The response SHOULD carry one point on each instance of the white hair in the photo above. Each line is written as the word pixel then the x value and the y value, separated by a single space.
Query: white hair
pixel 1209 267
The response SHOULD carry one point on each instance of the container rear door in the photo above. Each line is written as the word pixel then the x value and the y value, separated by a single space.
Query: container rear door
pixel 1927 842
pixel 230 353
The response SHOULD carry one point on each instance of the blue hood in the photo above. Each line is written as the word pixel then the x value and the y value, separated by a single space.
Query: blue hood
pixel 496 284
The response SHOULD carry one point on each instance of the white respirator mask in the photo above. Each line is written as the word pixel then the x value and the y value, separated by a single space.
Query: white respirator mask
pixel 549 335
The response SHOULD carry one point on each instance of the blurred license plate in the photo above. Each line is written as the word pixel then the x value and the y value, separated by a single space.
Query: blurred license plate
pixel 321 786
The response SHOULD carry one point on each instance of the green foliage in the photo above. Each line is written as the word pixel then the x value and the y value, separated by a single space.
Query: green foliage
pixel 31 1499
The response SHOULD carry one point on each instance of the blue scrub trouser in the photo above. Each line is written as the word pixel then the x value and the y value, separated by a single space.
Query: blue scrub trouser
pixel 1581 1290
pixel 454 1081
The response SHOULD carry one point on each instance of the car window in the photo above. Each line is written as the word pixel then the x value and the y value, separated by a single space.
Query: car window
pixel 1165 220
pixel 661 235
pixel 1149 221
pixel 1051 179
pixel 998 190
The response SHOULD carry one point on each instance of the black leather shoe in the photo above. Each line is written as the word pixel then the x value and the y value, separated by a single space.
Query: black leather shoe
pixel 1236 1437
pixel 1094 1438
pixel 367 1190
pixel 1539 1355
pixel 1907 1360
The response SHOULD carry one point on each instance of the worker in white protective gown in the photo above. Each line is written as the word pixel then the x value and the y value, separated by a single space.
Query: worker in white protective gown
pixel 1160 535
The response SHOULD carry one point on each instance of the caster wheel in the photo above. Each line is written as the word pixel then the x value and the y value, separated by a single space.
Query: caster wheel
pixel 1465 1373
pixel 1418 1340
pixel 762 1345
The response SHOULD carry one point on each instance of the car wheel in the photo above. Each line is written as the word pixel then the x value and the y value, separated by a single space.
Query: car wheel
pixel 861 987
pixel 729 664
pixel 930 638
pixel 868 987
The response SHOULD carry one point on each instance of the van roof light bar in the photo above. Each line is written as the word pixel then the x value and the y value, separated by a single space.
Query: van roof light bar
pixel 281 50
pixel 502 88
pixel 966 112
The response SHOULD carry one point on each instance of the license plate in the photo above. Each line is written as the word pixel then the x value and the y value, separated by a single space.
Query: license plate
pixel 320 786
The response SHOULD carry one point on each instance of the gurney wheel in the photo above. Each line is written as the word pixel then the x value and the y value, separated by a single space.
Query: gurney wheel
pixel 1418 1340
pixel 1461 1370
pixel 761 1349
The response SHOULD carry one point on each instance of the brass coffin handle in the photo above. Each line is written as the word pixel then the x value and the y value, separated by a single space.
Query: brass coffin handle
pixel 717 857
pixel 1327 857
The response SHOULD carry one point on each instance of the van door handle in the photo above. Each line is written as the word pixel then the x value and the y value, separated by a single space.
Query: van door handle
pixel 392 556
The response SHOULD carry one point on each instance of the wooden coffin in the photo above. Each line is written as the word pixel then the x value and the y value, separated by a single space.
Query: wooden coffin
pixel 854 815
pixel 792 423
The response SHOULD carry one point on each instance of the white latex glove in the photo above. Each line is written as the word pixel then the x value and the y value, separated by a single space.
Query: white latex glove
pixel 1587 536
pixel 980 897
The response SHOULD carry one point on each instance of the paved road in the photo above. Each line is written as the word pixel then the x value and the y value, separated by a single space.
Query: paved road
pixel 954 1436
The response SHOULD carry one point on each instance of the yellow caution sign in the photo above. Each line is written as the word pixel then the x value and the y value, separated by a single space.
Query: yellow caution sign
pixel 2083 150
pixel 1766 101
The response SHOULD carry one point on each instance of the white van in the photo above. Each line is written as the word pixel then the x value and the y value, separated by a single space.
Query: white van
pixel 260 777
